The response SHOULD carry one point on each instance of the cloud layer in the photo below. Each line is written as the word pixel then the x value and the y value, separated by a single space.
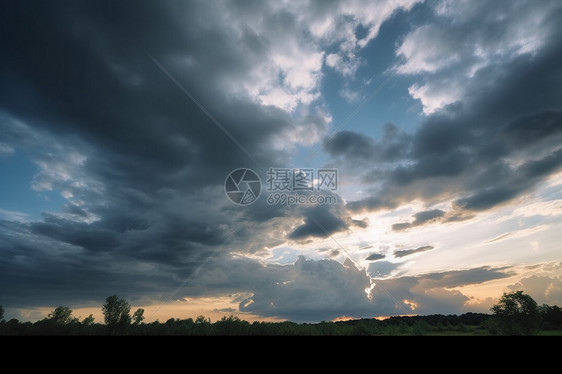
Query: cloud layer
pixel 496 142
pixel 135 112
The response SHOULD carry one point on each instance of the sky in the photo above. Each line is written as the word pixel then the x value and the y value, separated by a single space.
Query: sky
pixel 279 160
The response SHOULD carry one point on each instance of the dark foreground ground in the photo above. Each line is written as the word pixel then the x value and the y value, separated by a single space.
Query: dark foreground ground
pixel 469 324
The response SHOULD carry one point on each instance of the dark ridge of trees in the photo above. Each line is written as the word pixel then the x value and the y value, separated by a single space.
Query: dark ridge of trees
pixel 515 314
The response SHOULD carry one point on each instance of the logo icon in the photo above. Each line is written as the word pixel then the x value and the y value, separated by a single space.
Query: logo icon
pixel 242 186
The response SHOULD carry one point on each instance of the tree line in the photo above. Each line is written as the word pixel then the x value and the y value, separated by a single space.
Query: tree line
pixel 515 314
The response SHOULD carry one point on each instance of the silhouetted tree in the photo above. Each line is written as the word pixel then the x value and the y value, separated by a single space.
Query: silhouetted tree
pixel 138 316
pixel 59 322
pixel 1 313
pixel 116 314
pixel 515 314
pixel 62 315
pixel 88 321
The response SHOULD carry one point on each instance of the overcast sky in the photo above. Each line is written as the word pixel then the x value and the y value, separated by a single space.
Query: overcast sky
pixel 120 122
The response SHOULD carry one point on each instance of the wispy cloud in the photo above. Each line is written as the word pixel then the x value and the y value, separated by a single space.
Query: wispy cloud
pixel 13 216
pixel 519 233
pixel 409 252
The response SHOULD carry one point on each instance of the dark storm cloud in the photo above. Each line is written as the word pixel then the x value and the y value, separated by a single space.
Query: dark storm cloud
pixel 83 235
pixel 35 270
pixel 373 203
pixel 76 69
pixel 319 221
pixel 420 218
pixel 82 69
pixel 458 278
pixel 516 181
pixel 393 145
pixel 426 216
pixel 409 252
pixel 541 126
pixel 350 144
pixel 75 210
pixel 142 163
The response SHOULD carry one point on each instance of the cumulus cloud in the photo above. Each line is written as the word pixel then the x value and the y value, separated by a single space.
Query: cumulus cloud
pixel 431 293
pixel 291 40
pixel 342 22
pixel 451 49
pixel 427 49
pixel 472 155
pixel 544 289
pixel 313 290
pixel 428 293
pixel 322 289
